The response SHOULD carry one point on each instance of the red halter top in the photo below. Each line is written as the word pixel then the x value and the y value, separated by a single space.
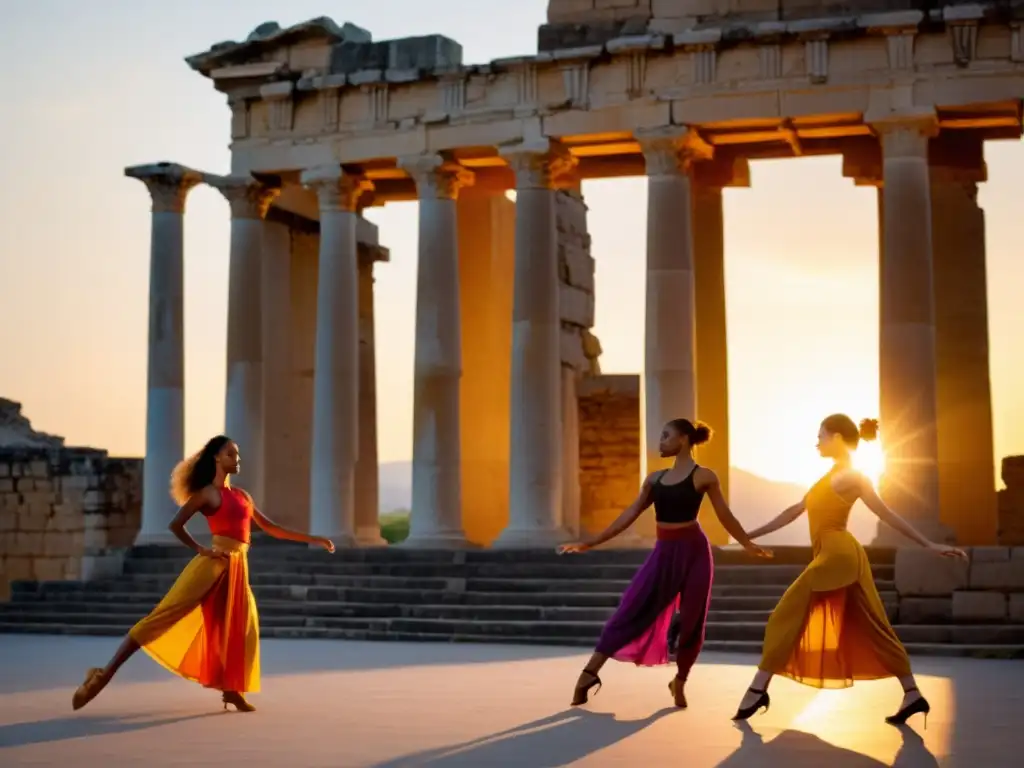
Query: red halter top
pixel 233 518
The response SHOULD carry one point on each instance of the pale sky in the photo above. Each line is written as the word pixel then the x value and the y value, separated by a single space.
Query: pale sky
pixel 89 88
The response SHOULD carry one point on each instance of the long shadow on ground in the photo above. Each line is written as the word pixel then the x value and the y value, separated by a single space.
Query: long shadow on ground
pixel 557 740
pixel 42 662
pixel 63 728
pixel 796 749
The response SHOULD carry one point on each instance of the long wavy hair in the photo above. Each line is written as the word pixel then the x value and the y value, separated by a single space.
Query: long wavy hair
pixel 197 471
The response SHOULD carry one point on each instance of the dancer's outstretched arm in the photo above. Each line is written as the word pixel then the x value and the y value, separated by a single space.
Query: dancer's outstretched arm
pixel 787 517
pixel 287 534
pixel 725 515
pixel 208 497
pixel 872 501
pixel 622 522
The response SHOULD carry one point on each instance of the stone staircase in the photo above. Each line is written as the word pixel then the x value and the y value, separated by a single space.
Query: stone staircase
pixel 476 596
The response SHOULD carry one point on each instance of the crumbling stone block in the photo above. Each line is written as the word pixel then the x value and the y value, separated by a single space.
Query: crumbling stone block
pixel 920 572
pixel 979 606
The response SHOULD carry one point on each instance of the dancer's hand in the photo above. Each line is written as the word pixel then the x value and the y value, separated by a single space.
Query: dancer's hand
pixel 325 543
pixel 758 551
pixel 947 551
pixel 214 554
pixel 575 547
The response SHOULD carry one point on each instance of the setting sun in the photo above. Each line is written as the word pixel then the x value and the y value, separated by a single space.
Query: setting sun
pixel 870 459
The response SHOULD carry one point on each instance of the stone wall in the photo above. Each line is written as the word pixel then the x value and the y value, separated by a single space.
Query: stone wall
pixel 1011 503
pixel 65 513
pixel 573 23
pixel 934 589
pixel 609 429
pixel 580 348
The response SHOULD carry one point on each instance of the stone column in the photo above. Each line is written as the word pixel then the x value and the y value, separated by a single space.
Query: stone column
pixel 336 375
pixel 168 186
pixel 249 200
pixel 436 517
pixel 278 342
pixel 487 221
pixel 907 331
pixel 670 349
pixel 570 452
pixel 712 354
pixel 367 483
pixel 535 466
pixel 967 495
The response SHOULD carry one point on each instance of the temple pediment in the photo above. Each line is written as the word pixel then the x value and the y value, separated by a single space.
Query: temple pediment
pixel 269 42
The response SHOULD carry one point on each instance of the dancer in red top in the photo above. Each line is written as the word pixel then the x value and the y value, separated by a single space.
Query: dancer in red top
pixel 206 628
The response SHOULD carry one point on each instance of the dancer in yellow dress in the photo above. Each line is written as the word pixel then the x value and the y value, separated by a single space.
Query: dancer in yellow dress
pixel 206 628
pixel 830 628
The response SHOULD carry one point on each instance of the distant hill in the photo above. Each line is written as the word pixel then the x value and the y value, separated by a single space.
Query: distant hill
pixel 754 499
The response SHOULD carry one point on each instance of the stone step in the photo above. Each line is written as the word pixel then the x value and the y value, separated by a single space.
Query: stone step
pixel 507 622
pixel 269 550
pixel 565 570
pixel 141 601
pixel 345 588
pixel 106 628
pixel 82 612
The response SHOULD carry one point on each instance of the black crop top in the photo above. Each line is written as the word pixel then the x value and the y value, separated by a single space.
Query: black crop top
pixel 678 502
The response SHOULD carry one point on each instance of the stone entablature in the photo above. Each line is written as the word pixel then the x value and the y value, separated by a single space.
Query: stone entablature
pixel 776 88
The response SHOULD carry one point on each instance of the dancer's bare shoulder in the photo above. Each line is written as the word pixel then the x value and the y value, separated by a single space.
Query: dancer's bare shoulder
pixel 851 483
pixel 704 479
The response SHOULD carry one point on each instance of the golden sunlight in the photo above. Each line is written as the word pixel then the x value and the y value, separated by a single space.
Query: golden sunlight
pixel 870 459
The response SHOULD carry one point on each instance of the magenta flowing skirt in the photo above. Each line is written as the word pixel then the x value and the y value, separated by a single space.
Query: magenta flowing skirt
pixel 676 577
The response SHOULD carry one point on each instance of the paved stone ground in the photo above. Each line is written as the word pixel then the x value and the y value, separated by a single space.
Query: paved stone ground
pixel 392 705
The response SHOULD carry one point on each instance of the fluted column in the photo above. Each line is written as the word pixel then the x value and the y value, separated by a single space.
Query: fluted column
pixel 964 391
pixel 712 347
pixel 336 376
pixel 670 343
pixel 907 366
pixel 249 200
pixel 436 518
pixel 535 471
pixel 367 481
pixel 168 187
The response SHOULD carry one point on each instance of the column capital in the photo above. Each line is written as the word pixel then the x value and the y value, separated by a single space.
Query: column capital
pixel 540 164
pixel 336 189
pixel 672 150
pixel 168 184
pixel 435 176
pixel 905 134
pixel 248 197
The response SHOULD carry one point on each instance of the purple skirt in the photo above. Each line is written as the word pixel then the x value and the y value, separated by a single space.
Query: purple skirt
pixel 677 575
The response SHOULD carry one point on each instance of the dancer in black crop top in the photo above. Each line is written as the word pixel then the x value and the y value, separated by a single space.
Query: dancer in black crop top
pixel 677 502
pixel 676 575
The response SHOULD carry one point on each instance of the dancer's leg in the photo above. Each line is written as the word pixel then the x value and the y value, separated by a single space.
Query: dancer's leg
pixel 124 652
pixel 694 599
pixel 588 678
pixel 910 690
pixel 759 683
pixel 96 679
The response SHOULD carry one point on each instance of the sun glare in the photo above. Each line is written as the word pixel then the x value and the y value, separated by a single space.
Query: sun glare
pixel 870 459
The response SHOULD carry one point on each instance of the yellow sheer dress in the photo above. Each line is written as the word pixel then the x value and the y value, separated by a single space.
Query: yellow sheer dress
pixel 830 628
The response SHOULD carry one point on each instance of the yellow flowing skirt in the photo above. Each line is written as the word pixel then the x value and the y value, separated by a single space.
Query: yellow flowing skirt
pixel 830 628
pixel 206 629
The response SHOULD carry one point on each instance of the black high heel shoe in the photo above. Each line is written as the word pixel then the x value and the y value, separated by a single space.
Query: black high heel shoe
pixel 919 705
pixel 582 693
pixel 763 700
